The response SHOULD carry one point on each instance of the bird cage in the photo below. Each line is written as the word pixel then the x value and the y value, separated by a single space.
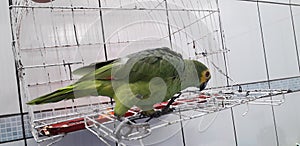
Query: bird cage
pixel 52 38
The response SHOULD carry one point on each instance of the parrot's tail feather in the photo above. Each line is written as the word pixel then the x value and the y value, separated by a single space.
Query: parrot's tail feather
pixel 58 95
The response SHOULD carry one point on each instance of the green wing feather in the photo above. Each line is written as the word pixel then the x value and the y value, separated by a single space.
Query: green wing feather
pixel 148 64
pixel 92 67
pixel 58 95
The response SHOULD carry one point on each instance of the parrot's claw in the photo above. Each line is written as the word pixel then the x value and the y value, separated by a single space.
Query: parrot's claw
pixel 147 113
pixel 167 110
pixel 132 131
pixel 160 113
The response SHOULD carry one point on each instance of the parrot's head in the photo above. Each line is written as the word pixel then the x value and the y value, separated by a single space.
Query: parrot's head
pixel 203 74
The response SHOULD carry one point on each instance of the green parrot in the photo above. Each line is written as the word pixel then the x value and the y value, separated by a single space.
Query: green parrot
pixel 141 79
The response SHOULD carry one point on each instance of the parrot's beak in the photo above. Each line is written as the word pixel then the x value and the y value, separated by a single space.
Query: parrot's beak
pixel 203 85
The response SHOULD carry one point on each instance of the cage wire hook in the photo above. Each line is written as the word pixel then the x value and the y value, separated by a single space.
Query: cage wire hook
pixel 247 110
pixel 280 101
pixel 209 124
pixel 225 74
pixel 141 142
pixel 271 102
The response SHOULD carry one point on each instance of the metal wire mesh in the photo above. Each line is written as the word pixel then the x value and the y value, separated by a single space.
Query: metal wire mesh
pixel 53 39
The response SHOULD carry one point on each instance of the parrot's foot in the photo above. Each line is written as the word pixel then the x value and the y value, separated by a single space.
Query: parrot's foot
pixel 130 121
pixel 162 112
pixel 157 114
pixel 132 131
pixel 147 113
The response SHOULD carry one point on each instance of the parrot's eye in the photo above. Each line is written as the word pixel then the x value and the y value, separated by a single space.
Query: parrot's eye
pixel 207 74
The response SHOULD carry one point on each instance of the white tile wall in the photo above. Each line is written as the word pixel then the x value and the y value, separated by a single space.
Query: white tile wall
pixel 246 62
pixel 279 41
pixel 256 127
pixel 8 91
pixel 296 14
pixel 211 130
pixel 295 2
pixel 287 120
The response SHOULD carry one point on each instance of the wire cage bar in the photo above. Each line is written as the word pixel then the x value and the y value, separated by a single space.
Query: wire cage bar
pixel 52 39
pixel 192 104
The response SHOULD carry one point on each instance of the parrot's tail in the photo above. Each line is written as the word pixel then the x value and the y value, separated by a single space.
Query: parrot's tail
pixel 58 95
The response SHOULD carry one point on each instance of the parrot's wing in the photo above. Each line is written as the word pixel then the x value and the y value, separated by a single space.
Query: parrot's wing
pixel 103 73
pixel 144 65
pixel 92 67
pixel 162 62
